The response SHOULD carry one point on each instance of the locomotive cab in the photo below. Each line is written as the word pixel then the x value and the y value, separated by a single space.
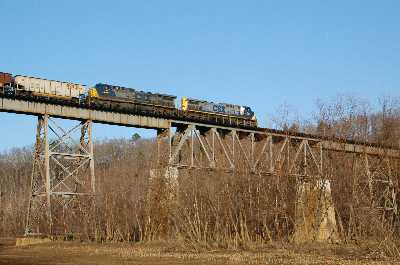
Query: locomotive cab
pixel 249 113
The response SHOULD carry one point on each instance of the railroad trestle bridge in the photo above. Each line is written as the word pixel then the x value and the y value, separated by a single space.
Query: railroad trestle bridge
pixel 63 172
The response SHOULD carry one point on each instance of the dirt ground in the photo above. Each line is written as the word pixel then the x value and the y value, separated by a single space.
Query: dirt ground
pixel 60 252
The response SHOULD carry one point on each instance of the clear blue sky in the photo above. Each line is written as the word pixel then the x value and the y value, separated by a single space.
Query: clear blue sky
pixel 256 53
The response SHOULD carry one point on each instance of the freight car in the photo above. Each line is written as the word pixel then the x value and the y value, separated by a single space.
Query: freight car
pixel 223 109
pixel 6 79
pixel 48 88
pixel 39 88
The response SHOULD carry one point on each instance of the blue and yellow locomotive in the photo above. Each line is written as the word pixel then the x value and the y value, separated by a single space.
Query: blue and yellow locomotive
pixel 105 92
pixel 225 109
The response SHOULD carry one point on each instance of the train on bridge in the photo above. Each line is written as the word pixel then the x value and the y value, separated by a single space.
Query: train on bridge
pixel 125 100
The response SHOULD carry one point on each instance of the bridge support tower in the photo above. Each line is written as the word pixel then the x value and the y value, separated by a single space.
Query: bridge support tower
pixel 62 195
pixel 294 163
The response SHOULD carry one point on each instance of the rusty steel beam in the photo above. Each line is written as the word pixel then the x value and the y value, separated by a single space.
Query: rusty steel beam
pixel 359 149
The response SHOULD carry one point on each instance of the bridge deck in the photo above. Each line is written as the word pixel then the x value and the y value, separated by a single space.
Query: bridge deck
pixel 75 113
pixel 130 120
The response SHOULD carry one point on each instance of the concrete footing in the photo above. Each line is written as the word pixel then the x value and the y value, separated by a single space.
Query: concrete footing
pixel 315 213
pixel 27 241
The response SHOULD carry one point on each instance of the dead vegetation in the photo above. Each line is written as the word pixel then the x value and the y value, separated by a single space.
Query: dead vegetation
pixel 228 211
pixel 170 252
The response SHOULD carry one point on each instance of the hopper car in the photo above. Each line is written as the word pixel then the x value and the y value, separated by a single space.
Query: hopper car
pixel 6 80
pixel 40 89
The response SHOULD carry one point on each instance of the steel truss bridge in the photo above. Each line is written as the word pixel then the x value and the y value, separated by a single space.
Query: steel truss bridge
pixel 63 172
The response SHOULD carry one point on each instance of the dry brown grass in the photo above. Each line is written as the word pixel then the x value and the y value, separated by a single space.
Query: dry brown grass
pixel 169 252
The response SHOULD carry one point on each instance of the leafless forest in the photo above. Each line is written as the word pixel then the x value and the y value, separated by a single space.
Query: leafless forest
pixel 220 211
